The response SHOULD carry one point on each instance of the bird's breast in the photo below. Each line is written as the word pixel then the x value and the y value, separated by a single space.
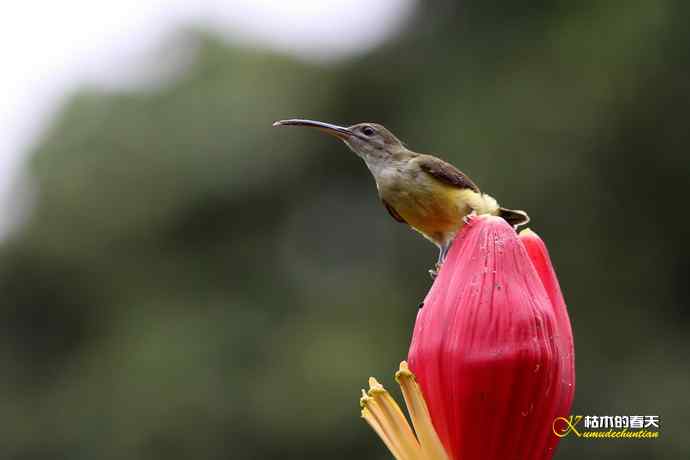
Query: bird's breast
pixel 432 208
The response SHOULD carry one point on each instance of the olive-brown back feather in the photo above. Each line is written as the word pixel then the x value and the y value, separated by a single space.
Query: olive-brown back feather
pixel 445 172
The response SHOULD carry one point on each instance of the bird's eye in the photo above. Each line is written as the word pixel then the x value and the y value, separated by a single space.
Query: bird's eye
pixel 368 131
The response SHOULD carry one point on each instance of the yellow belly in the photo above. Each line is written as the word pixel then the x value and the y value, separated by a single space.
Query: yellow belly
pixel 435 210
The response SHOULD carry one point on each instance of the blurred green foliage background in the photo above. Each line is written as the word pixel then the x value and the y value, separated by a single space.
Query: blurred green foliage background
pixel 192 283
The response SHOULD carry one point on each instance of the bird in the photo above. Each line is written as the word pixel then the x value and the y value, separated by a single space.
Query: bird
pixel 423 191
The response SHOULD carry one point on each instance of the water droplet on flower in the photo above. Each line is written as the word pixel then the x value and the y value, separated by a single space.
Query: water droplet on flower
pixel 498 286
pixel 536 368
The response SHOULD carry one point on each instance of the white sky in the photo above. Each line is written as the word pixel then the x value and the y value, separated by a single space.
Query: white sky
pixel 48 48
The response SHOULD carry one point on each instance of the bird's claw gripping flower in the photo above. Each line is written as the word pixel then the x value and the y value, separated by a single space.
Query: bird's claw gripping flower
pixel 492 349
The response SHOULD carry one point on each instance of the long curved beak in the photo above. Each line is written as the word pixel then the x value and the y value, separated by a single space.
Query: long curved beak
pixel 340 132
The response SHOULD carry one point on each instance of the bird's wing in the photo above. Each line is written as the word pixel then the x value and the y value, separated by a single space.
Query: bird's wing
pixel 445 172
pixel 394 214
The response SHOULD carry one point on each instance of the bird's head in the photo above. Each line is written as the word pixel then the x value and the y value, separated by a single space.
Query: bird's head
pixel 370 141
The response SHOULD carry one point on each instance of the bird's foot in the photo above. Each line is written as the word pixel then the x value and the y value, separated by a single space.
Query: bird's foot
pixel 433 272
pixel 468 218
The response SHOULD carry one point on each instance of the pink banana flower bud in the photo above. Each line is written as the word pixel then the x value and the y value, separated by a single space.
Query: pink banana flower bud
pixel 491 354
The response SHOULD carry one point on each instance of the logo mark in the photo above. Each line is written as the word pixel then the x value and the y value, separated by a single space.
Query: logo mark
pixel 563 426
pixel 608 426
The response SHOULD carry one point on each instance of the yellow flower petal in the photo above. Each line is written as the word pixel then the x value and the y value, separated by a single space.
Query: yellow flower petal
pixel 419 413
pixel 386 418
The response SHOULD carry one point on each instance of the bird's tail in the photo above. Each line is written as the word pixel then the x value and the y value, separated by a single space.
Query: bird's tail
pixel 513 217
